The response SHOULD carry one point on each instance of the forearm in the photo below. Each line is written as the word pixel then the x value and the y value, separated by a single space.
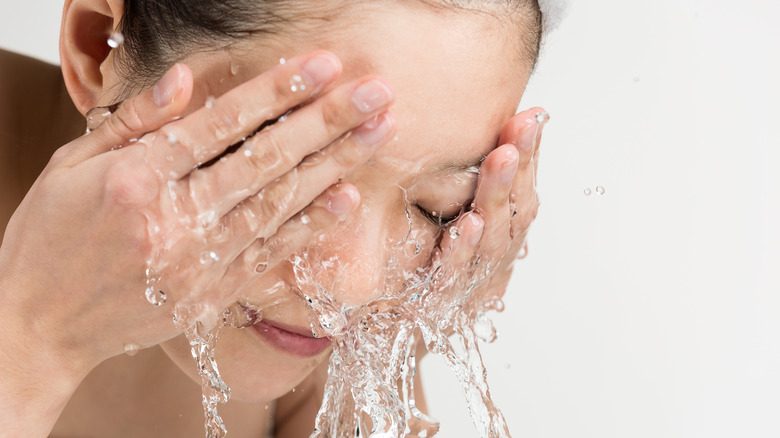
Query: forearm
pixel 35 384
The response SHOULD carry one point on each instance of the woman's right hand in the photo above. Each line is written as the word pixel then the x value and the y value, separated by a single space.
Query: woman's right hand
pixel 74 258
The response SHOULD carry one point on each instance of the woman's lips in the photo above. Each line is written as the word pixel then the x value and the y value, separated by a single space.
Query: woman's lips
pixel 290 339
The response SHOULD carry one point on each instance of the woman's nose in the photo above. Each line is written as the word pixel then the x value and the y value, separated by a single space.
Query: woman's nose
pixel 350 260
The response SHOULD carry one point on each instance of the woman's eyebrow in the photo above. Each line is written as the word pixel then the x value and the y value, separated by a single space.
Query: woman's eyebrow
pixel 458 164
pixel 455 165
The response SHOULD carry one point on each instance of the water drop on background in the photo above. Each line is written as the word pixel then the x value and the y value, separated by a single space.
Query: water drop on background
pixel 454 232
pixel 600 190
pixel 234 69
pixel 261 267
pixel 172 139
pixel 210 101
pixel 588 192
pixel 306 220
pixel 116 39
pixel 542 118
pixel 282 61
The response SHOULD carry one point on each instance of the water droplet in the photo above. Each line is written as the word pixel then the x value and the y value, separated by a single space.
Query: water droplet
pixel 132 349
pixel 306 220
pixel 542 118
pixel 296 83
pixel 600 190
pixel 210 101
pixel 155 296
pixel 133 140
pixel 454 232
pixel 588 192
pixel 282 61
pixel 172 139
pixel 96 116
pixel 234 69
pixel 208 256
pixel 473 169
pixel 261 267
pixel 207 218
pixel 484 329
pixel 247 152
pixel 116 39
pixel 293 390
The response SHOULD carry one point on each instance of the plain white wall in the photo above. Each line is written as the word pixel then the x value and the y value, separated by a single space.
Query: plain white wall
pixel 651 310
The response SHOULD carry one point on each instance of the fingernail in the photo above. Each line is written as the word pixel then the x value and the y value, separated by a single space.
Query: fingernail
pixel 321 69
pixel 168 87
pixel 477 229
pixel 371 96
pixel 373 131
pixel 340 203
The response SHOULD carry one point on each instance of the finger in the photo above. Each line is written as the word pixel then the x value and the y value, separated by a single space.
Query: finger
pixel 274 151
pixel 331 207
pixel 497 174
pixel 140 114
pixel 236 115
pixel 516 130
pixel 280 200
pixel 460 240
pixel 524 198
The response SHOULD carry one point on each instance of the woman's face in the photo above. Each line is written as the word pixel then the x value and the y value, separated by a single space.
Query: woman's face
pixel 457 77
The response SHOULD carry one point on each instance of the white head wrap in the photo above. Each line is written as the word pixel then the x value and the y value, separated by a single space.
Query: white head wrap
pixel 553 11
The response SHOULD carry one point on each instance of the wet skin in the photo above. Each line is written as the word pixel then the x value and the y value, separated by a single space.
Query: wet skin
pixel 444 127
pixel 450 111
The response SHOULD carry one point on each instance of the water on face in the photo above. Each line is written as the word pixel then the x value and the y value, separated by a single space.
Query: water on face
pixel 370 386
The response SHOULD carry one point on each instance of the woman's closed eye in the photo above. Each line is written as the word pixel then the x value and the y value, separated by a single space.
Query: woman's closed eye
pixel 438 218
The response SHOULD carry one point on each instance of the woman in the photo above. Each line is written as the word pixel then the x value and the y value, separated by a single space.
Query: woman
pixel 388 125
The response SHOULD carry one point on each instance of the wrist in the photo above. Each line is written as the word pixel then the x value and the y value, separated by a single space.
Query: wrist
pixel 38 379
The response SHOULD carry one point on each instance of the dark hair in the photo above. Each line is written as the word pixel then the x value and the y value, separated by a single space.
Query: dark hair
pixel 158 33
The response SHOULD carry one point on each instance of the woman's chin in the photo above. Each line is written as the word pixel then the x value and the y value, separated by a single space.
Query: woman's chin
pixel 256 370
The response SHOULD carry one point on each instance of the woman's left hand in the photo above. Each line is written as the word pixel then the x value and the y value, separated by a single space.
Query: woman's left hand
pixel 493 234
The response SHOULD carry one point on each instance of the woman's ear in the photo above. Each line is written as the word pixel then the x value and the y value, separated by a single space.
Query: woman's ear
pixel 84 51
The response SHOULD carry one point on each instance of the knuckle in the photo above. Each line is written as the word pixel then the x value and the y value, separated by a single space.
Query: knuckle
pixel 130 187
pixel 333 117
pixel 282 92
pixel 126 120
pixel 223 121
pixel 274 151
pixel 277 200
pixel 62 153
pixel 345 156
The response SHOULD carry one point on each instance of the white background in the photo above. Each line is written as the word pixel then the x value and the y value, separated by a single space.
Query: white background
pixel 651 310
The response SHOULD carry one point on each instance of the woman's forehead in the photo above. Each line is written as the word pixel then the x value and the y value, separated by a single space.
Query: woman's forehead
pixel 455 81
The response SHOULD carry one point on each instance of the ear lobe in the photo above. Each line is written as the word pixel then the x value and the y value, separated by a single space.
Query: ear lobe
pixel 84 49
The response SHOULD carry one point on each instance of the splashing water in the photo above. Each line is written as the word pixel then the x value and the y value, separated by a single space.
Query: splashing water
pixel 371 371
pixel 214 390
